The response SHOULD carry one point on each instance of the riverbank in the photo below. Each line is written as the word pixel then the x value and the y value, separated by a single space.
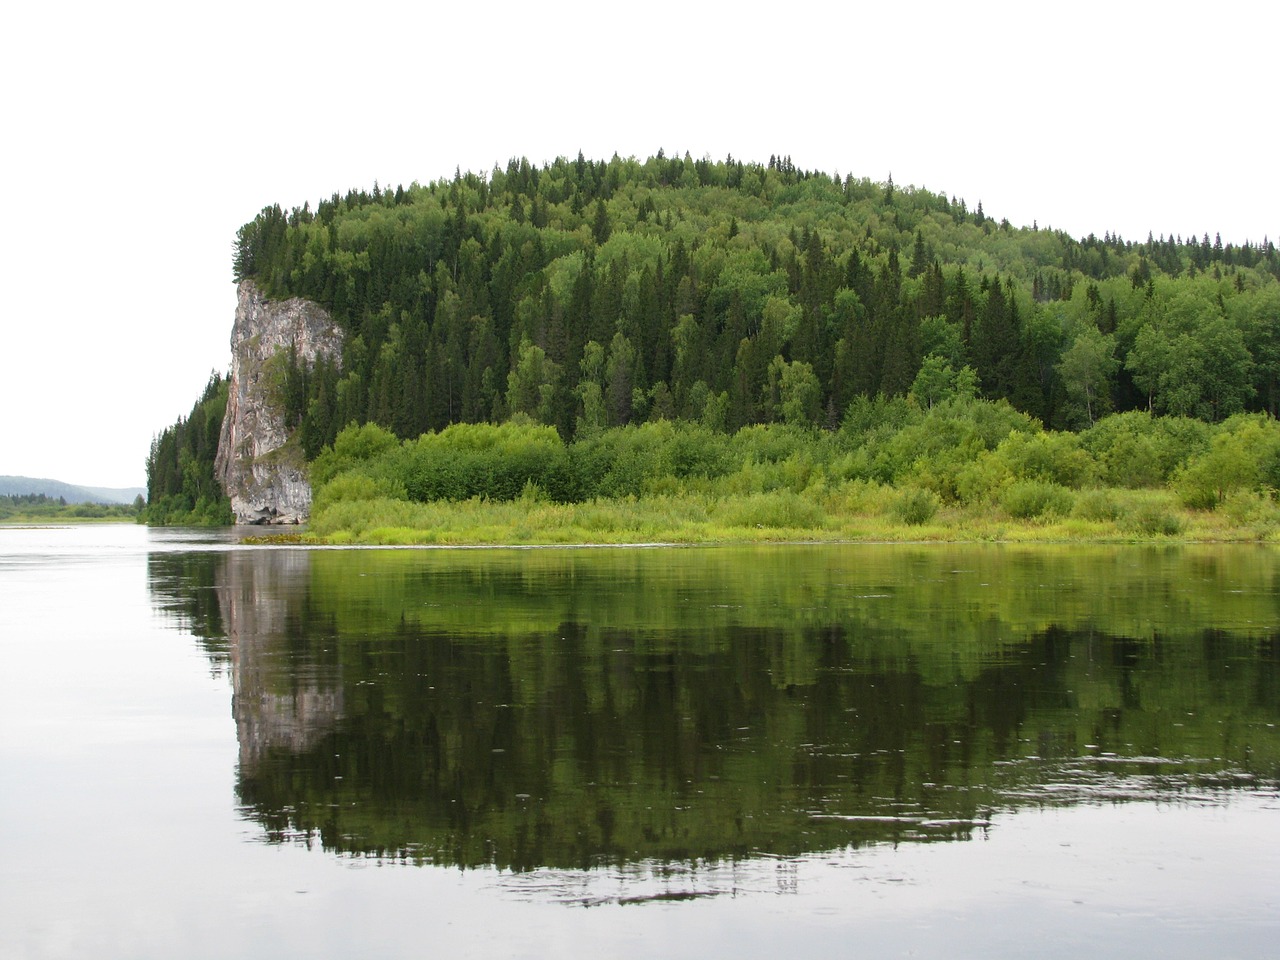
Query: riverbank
pixel 857 512
pixel 968 471
pixel 68 516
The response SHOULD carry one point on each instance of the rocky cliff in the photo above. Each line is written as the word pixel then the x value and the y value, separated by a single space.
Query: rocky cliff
pixel 259 463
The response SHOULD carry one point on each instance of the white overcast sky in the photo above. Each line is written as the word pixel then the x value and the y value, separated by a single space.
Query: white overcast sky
pixel 135 138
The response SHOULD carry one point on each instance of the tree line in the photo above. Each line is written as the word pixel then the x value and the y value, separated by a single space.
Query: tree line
pixel 21 507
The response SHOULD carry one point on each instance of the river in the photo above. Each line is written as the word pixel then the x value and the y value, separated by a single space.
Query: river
pixel 211 749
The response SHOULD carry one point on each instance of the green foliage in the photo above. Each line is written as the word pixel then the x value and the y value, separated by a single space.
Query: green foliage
pixel 1056 458
pixel 772 443
pixel 792 393
pixel 1098 505
pixel 181 487
pixel 1153 519
pixel 936 382
pixel 531 385
pixel 1241 457
pixel 1087 368
pixel 915 506
pixel 935 448
pixel 179 510
pixel 633 460
pixel 776 510
pixel 1191 360
pixel 354 445
pixel 1033 499
pixel 1251 509
pixel 353 486
pixel 1135 449
pixel 774 477
pixel 483 460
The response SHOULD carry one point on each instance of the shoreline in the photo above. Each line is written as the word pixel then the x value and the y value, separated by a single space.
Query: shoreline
pixel 1108 516
pixel 1201 531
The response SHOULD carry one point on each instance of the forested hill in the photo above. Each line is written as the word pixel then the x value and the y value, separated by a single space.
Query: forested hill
pixel 589 294
pixel 610 292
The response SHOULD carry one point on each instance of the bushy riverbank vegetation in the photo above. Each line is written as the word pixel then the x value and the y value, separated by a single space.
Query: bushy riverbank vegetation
pixel 964 468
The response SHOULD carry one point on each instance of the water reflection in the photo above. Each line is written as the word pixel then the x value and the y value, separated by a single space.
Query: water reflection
pixel 664 714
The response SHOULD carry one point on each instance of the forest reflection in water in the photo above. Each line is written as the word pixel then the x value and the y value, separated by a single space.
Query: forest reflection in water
pixel 628 708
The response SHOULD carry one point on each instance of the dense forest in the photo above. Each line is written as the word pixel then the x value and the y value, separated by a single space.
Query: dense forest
pixel 181 488
pixel 589 295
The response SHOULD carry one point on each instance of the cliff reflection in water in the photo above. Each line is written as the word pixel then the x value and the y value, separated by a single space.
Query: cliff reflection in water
pixel 567 708
pixel 241 606
pixel 291 710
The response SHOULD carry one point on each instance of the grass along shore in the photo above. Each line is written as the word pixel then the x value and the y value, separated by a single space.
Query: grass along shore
pixel 853 512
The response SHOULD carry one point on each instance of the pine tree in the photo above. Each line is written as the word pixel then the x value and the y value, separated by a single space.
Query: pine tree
pixel 601 227
pixel 919 257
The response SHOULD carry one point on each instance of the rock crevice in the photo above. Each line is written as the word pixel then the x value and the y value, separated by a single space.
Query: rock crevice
pixel 259 462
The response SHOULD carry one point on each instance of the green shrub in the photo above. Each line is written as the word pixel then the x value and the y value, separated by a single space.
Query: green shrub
pixel 354 486
pixel 494 461
pixel 1031 499
pixel 615 463
pixel 780 509
pixel 175 509
pixel 693 450
pixel 1196 489
pixel 915 506
pixel 1055 458
pixel 353 445
pixel 1135 449
pixel 1153 519
pixel 772 443
pixel 858 497
pixel 937 447
pixel 1241 456
pixel 1097 505
pixel 982 479
pixel 871 415
pixel 1248 507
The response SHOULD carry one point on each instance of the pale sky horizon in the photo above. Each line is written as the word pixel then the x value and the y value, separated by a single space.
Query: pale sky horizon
pixel 140 136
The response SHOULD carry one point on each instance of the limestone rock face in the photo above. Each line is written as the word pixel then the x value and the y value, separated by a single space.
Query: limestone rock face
pixel 261 469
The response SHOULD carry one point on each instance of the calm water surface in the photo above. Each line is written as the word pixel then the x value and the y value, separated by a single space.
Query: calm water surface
pixel 211 749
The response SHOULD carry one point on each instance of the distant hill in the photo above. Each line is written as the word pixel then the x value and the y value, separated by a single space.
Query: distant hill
pixel 17 486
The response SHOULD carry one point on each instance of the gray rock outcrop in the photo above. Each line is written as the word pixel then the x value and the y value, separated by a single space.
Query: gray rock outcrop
pixel 259 463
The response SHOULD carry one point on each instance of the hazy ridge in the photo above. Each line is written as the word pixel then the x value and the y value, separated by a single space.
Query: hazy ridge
pixel 70 492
